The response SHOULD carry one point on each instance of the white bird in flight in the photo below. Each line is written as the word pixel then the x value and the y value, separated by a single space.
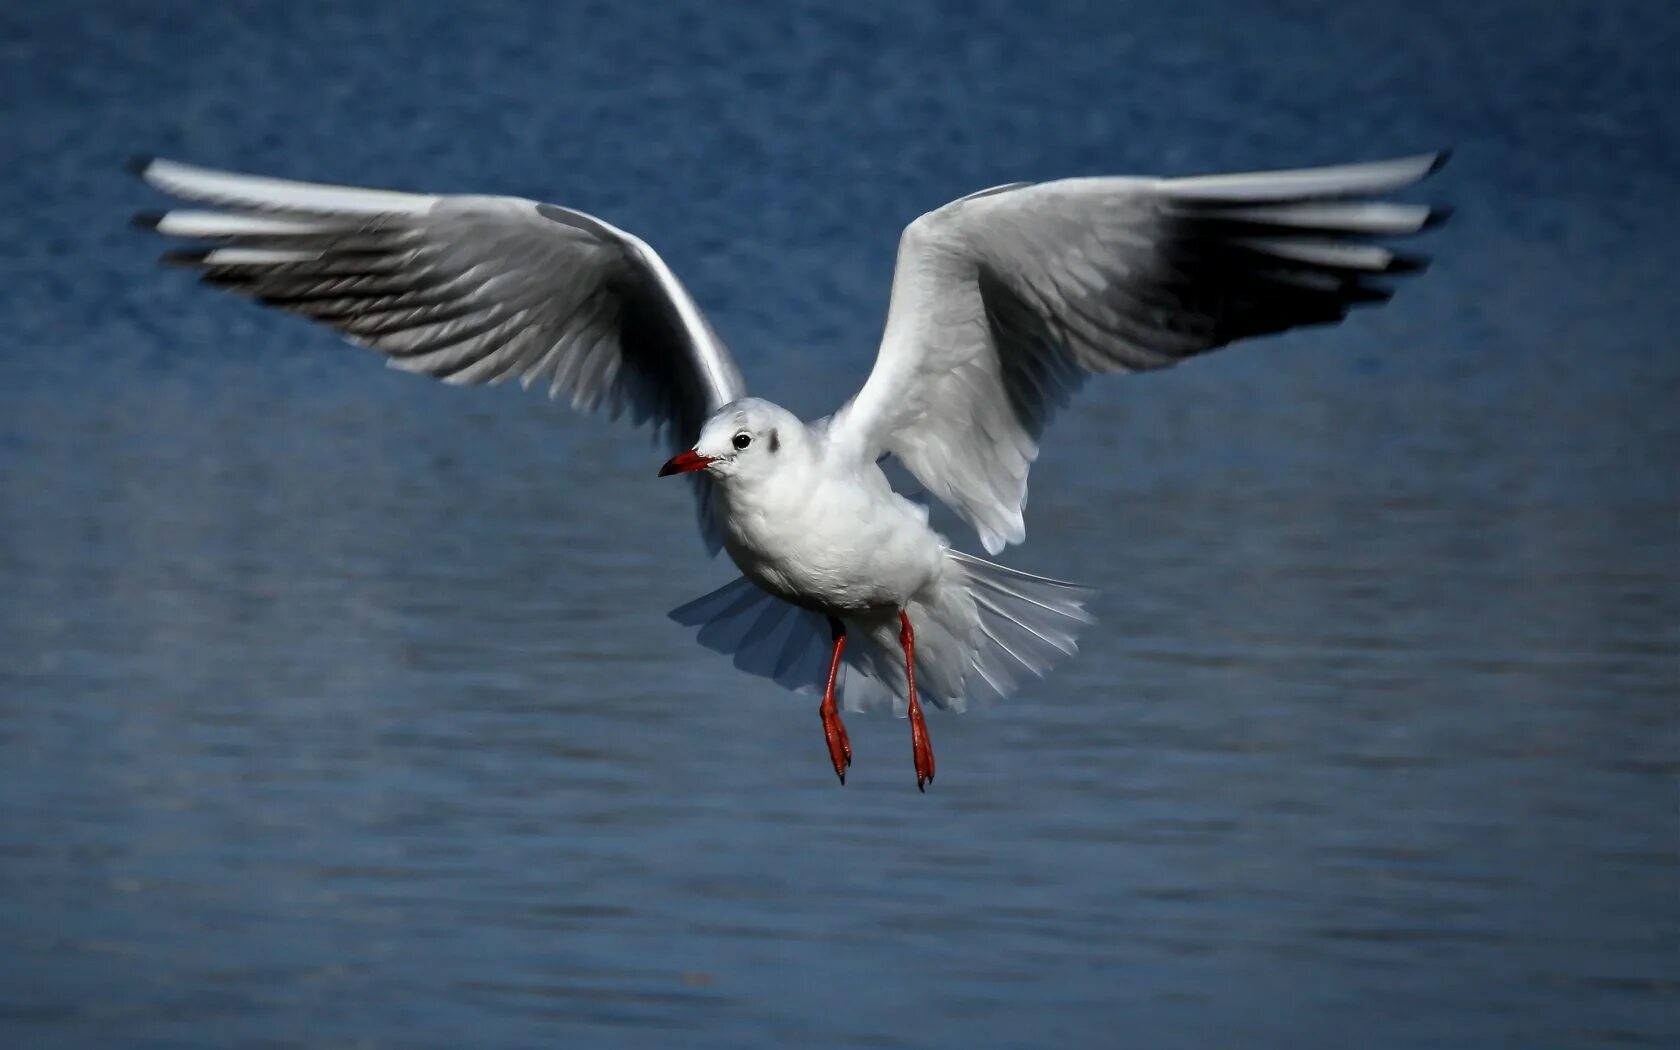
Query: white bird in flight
pixel 1003 302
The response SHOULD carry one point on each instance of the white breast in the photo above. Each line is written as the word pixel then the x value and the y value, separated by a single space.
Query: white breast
pixel 836 543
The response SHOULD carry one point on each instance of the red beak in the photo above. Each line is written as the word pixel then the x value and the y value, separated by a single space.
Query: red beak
pixel 683 462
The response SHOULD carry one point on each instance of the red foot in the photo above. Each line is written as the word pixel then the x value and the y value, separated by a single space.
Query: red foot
pixel 834 730
pixel 839 747
pixel 921 748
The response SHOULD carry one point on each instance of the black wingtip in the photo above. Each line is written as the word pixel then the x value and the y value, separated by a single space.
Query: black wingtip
pixel 185 257
pixel 147 220
pixel 1440 161
pixel 1438 216
pixel 1405 264
pixel 137 164
pixel 1366 295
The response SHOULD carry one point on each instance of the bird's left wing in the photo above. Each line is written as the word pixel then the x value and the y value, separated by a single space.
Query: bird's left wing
pixel 465 288
pixel 1003 303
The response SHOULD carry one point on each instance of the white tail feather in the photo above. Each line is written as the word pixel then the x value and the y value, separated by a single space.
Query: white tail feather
pixel 1027 623
pixel 980 632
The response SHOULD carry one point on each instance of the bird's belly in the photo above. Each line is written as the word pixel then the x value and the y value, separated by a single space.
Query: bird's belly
pixel 828 558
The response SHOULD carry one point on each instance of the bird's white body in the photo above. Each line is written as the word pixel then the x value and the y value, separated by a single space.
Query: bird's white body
pixel 821 532
pixel 1003 303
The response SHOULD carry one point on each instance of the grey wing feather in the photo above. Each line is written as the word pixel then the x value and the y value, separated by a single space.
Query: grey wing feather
pixel 466 289
pixel 770 638
pixel 765 635
pixel 1004 302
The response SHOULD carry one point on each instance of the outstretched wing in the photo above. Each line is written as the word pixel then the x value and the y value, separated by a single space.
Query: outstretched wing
pixel 467 289
pixel 1003 303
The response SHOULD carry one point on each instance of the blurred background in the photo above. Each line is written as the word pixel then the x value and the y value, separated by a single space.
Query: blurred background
pixel 339 707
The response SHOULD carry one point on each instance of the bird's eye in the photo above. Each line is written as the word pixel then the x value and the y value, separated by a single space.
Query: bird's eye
pixel 742 440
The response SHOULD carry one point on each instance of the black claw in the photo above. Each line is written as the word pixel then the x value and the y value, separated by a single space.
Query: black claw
pixel 842 780
pixel 921 786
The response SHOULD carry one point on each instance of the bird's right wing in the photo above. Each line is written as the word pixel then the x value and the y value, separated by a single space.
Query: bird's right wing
pixel 1003 303
pixel 467 289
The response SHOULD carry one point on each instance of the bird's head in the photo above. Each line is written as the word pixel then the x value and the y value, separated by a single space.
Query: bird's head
pixel 743 439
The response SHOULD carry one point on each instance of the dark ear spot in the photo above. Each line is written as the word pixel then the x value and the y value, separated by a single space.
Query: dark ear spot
pixel 775 441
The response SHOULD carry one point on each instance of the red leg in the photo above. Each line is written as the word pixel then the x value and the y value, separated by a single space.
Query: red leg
pixel 921 749
pixel 839 748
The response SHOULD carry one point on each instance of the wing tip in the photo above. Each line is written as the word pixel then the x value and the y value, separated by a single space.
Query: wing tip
pixel 190 257
pixel 1359 295
pixel 1425 164
pixel 147 220
pixel 139 164
pixel 1438 216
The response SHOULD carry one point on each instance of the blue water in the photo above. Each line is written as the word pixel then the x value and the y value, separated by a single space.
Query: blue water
pixel 338 708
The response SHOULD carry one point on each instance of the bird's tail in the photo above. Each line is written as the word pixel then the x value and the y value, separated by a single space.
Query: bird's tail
pixel 1023 624
pixel 979 631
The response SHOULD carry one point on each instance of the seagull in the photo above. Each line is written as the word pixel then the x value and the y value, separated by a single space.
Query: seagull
pixel 1003 303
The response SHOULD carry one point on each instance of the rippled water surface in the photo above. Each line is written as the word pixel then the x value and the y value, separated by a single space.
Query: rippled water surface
pixel 340 708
